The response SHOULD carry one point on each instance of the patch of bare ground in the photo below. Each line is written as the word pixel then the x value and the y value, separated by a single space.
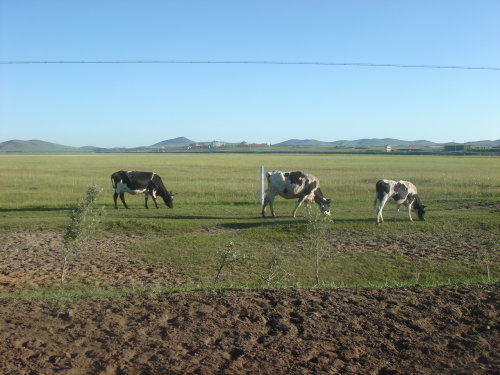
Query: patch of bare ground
pixel 34 259
pixel 442 330
pixel 492 206
pixel 423 245
pixel 445 330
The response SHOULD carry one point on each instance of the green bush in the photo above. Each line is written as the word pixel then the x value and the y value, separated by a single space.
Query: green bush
pixel 84 219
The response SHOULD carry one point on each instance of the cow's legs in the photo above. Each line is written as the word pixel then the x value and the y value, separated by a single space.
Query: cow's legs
pixel 154 199
pixel 268 200
pixel 301 200
pixel 115 198
pixel 409 211
pixel 151 191
pixel 271 206
pixel 264 207
pixel 122 197
pixel 380 208
pixel 147 194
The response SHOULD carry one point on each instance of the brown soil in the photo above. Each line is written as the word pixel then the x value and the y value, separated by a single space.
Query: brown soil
pixel 365 331
pixel 443 330
pixel 443 246
pixel 34 259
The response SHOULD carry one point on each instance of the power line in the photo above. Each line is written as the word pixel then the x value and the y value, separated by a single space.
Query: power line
pixel 250 62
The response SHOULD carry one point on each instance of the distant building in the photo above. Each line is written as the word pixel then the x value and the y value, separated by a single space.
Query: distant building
pixel 388 148
pixel 213 144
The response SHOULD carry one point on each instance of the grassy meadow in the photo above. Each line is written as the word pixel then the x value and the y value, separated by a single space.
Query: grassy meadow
pixel 216 224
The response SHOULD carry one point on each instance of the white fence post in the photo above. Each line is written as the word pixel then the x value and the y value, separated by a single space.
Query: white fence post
pixel 261 185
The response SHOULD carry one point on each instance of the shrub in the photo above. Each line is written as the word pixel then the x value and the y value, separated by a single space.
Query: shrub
pixel 84 219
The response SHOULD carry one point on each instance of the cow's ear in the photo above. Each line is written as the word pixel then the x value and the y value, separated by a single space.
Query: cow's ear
pixel 328 200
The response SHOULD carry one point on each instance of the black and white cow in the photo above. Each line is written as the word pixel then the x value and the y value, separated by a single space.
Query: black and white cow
pixel 294 185
pixel 399 192
pixel 148 183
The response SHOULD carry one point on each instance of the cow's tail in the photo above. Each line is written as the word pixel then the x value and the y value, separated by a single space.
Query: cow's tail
pixel 113 182
pixel 268 174
pixel 379 194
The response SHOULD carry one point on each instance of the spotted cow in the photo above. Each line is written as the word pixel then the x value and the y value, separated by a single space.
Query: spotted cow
pixel 398 192
pixel 294 185
pixel 148 183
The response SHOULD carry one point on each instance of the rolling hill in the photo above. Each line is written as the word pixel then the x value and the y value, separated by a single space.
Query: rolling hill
pixel 176 142
pixel 35 146
pixel 485 143
pixel 38 146
pixel 366 142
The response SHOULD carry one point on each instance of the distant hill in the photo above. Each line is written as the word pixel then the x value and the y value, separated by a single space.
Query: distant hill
pixel 485 143
pixel 372 142
pixel 376 142
pixel 176 142
pixel 35 146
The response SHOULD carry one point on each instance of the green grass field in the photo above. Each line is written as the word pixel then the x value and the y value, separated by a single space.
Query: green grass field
pixel 217 209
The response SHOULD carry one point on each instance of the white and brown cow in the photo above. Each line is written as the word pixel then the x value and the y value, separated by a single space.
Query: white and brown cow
pixel 148 183
pixel 399 192
pixel 294 185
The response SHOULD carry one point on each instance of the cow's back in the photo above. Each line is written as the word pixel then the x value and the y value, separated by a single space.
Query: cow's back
pixel 411 187
pixel 292 184
pixel 133 179
pixel 396 190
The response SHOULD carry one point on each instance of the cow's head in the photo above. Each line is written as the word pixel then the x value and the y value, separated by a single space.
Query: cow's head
pixel 323 203
pixel 419 207
pixel 421 212
pixel 168 198
pixel 325 206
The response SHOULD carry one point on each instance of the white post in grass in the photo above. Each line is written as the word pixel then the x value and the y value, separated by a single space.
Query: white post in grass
pixel 261 185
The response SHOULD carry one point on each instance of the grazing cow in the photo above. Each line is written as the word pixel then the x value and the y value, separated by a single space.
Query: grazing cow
pixel 399 192
pixel 148 183
pixel 292 185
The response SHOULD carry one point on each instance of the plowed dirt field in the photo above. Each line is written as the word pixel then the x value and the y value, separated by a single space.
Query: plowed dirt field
pixel 417 330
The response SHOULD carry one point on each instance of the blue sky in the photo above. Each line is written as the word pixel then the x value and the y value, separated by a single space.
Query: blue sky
pixel 128 105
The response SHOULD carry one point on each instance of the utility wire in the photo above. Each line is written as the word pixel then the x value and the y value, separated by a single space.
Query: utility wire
pixel 248 62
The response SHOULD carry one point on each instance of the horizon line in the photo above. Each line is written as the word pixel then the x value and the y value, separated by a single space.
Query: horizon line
pixel 326 143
